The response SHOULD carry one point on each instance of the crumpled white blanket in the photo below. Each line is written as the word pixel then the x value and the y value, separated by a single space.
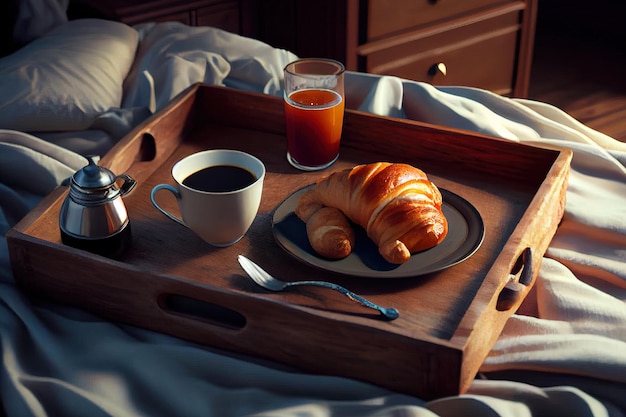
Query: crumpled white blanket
pixel 562 353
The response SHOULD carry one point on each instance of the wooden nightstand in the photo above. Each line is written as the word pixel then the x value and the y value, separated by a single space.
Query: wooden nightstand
pixel 479 43
pixel 224 14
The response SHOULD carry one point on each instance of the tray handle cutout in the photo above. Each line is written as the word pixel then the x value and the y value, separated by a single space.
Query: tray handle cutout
pixel 195 309
pixel 147 149
pixel 520 278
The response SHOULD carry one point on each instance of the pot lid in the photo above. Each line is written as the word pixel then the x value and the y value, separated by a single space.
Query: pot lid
pixel 93 176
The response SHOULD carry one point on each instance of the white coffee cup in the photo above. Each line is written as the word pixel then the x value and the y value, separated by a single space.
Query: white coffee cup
pixel 218 209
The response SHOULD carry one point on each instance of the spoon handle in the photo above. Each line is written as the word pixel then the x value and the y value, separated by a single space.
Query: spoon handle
pixel 388 313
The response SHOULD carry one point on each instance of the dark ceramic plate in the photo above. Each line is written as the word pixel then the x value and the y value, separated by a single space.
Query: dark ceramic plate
pixel 466 231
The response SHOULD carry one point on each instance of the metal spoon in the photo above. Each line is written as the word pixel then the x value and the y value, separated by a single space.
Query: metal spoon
pixel 265 280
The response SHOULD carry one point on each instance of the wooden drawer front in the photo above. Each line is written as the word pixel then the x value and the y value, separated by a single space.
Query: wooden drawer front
pixel 480 55
pixel 224 16
pixel 386 17
pixel 182 17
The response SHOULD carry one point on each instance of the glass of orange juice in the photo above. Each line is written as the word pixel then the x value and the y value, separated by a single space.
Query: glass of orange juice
pixel 314 106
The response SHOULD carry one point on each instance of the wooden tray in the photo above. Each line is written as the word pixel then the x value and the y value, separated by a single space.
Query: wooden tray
pixel 172 282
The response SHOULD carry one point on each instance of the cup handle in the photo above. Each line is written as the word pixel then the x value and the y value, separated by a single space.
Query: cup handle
pixel 155 204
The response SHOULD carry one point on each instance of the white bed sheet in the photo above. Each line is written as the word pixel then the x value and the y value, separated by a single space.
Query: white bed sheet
pixel 563 353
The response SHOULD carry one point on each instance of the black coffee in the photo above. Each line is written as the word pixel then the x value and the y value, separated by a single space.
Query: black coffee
pixel 220 179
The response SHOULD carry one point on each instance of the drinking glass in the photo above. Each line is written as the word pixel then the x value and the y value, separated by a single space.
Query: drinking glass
pixel 314 107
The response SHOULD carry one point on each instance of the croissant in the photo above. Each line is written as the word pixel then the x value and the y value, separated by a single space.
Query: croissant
pixel 397 205
pixel 329 233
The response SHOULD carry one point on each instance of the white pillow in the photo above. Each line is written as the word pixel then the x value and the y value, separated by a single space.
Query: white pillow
pixel 65 79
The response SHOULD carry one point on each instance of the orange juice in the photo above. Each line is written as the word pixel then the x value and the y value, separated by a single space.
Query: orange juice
pixel 314 119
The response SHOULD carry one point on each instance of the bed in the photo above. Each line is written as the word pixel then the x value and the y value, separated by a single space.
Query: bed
pixel 75 88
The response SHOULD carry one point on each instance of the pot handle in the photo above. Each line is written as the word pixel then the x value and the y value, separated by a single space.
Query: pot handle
pixel 128 184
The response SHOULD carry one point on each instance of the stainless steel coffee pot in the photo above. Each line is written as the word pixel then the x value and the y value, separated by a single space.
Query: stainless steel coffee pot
pixel 93 216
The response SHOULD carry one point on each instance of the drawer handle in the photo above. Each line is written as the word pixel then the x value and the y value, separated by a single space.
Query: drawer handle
pixel 432 1
pixel 438 68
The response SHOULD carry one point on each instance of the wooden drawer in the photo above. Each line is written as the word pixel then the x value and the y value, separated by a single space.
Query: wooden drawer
pixel 406 37
pixel 182 17
pixel 481 54
pixel 224 16
pixel 386 17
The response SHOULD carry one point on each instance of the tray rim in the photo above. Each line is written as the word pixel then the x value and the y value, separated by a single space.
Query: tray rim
pixel 19 232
